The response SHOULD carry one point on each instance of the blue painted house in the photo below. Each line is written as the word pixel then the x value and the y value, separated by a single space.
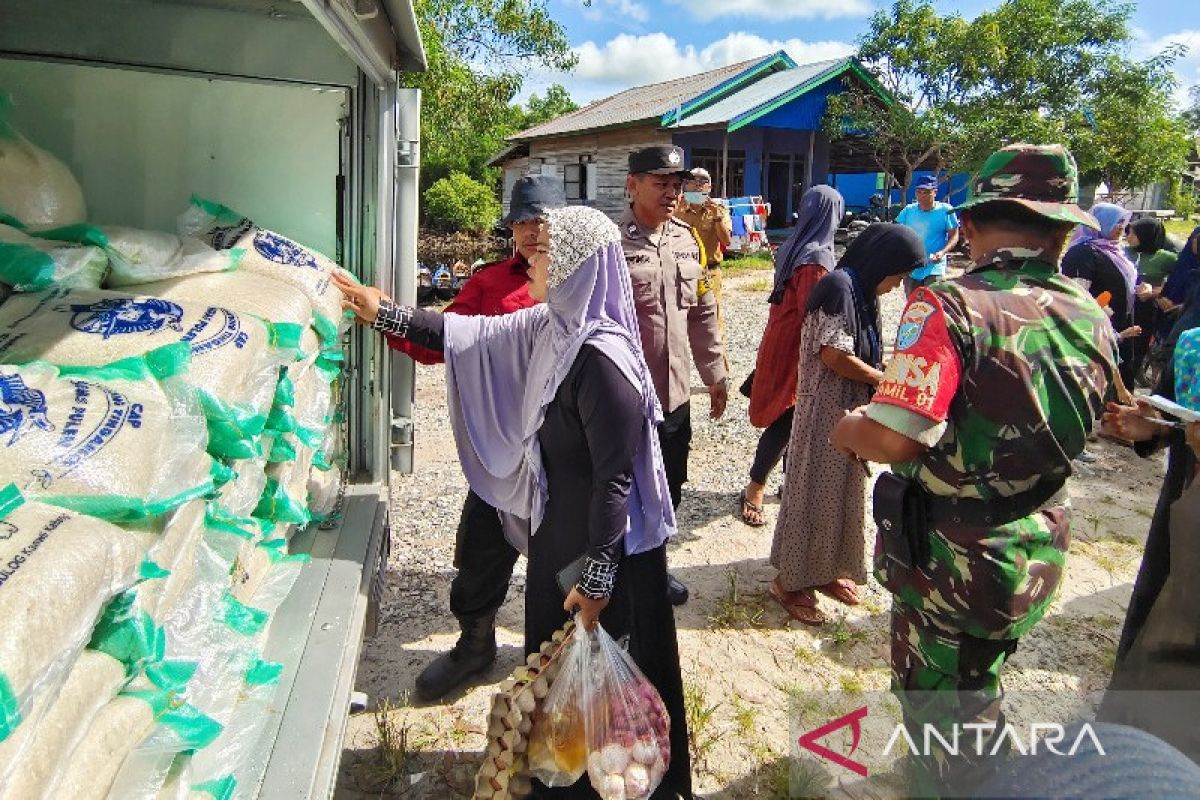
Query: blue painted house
pixel 755 126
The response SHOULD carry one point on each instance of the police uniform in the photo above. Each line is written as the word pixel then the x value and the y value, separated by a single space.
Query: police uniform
pixel 1000 374
pixel 677 319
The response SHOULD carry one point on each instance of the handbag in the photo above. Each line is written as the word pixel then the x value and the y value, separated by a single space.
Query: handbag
pixel 747 385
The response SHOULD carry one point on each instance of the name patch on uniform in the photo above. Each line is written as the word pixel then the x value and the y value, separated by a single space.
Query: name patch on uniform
pixel 912 324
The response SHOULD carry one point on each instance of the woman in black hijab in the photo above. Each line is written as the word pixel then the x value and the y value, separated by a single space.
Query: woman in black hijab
pixel 819 544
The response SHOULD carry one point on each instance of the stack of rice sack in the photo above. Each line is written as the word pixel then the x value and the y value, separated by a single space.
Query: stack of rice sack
pixel 168 418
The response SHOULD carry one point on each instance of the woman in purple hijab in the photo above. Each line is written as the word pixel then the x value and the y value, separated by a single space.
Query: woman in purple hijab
pixel 1097 262
pixel 554 416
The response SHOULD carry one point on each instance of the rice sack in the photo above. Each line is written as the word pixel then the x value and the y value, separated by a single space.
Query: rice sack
pixel 234 357
pixel 141 256
pixel 94 679
pixel 112 442
pixel 30 264
pixel 35 186
pixel 57 571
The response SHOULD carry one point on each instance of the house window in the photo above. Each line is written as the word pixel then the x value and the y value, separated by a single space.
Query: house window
pixel 711 158
pixel 579 180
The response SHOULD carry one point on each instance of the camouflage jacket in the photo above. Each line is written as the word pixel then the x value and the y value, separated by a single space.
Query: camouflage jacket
pixel 1029 357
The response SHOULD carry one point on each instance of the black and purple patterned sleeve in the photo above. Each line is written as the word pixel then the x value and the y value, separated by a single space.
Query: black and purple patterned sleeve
pixel 416 325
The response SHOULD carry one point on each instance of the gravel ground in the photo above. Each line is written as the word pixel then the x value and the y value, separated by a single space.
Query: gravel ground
pixel 742 657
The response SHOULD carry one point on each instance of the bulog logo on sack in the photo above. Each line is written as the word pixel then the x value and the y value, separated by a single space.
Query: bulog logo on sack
pixel 21 408
pixel 116 316
pixel 274 247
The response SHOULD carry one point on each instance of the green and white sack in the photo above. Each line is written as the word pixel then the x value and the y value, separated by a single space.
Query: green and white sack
pixel 141 256
pixel 30 264
pixel 115 442
pixel 94 679
pixel 58 569
pixel 234 357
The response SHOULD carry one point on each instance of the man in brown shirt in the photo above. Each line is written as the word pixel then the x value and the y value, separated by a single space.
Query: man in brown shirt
pixel 711 221
pixel 678 322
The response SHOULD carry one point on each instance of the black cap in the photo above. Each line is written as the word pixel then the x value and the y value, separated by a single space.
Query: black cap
pixel 661 159
pixel 532 196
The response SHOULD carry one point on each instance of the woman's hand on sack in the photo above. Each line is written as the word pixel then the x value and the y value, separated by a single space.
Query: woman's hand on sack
pixel 588 609
pixel 1130 333
pixel 1132 422
pixel 362 300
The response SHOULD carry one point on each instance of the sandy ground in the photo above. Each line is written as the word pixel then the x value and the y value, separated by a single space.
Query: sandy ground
pixel 742 657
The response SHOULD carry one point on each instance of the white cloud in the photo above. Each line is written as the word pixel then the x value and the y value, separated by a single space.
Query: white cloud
pixel 620 11
pixel 1187 67
pixel 776 9
pixel 628 60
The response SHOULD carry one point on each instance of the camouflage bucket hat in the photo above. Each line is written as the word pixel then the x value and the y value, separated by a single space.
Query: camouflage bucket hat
pixel 1043 178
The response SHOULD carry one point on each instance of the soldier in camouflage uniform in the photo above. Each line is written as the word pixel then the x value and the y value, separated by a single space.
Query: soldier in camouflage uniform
pixel 992 390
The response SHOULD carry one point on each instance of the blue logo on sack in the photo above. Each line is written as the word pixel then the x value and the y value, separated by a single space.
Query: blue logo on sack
pixel 125 315
pixel 21 408
pixel 274 247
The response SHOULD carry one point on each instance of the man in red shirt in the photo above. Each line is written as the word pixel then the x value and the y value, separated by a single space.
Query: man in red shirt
pixel 482 555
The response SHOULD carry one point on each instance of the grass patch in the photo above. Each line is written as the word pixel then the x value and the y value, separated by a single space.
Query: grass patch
pixel 806 779
pixel 744 716
pixel 844 636
pixel 702 733
pixel 737 609
pixel 743 262
pixel 760 285
pixel 395 747
pixel 1180 227
pixel 852 685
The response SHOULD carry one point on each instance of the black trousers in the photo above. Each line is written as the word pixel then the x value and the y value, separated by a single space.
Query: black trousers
pixel 484 559
pixel 675 440
pixel 772 444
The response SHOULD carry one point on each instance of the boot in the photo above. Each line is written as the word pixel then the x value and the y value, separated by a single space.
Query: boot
pixel 472 654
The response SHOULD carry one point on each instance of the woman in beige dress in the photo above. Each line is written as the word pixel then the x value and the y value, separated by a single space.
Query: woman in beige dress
pixel 820 541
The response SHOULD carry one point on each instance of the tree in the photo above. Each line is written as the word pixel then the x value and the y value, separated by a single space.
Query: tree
pixel 478 52
pixel 1028 70
pixel 1126 133
pixel 458 202
pixel 1191 115
pixel 556 103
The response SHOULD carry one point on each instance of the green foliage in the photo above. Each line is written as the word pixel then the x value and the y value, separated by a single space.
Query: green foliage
pixel 1027 70
pixel 478 52
pixel 543 109
pixel 459 202
pixel 1191 115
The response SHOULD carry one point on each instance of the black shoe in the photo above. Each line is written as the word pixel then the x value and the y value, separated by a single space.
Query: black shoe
pixel 473 654
pixel 677 593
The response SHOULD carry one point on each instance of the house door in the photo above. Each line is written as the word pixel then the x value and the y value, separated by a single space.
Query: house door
pixel 779 184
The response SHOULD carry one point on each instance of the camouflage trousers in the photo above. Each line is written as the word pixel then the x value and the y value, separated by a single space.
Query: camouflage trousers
pixel 945 678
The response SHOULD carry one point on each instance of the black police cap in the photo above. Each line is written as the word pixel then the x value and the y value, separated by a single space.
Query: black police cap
pixel 661 159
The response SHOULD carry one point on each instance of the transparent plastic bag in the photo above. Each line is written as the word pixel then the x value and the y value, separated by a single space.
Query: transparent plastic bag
pixel 628 728
pixel 558 744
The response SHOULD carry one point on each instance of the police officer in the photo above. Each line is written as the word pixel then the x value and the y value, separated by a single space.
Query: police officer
pixel 992 389
pixel 678 319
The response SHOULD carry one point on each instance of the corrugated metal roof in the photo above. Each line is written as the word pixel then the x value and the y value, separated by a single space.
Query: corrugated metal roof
pixel 759 93
pixel 638 103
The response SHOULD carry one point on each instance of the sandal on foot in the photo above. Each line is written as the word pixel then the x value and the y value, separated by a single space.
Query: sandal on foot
pixel 843 592
pixel 752 513
pixel 797 607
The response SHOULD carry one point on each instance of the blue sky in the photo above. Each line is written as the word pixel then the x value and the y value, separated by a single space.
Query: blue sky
pixel 623 43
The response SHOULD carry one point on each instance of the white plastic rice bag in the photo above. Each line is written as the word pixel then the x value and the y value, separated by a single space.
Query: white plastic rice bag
pixel 94 679
pixel 234 357
pixel 271 255
pixel 239 497
pixel 112 441
pixel 243 292
pixel 285 497
pixel 264 574
pixel 57 570
pixel 324 489
pixel 35 187
pixel 32 263
pixel 141 256
pixel 118 728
